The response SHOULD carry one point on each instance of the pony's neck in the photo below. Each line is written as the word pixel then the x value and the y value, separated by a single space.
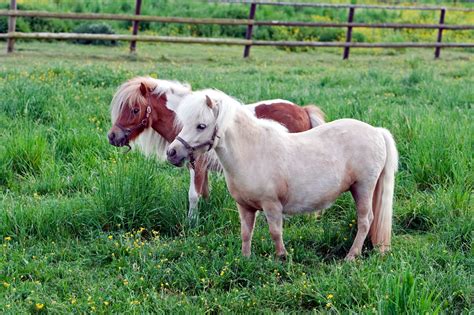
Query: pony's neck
pixel 163 120
pixel 243 137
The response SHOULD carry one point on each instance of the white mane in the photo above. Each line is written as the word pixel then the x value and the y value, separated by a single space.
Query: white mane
pixel 193 107
pixel 128 94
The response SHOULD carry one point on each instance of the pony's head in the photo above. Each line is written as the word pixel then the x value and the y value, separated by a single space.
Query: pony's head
pixel 202 116
pixel 138 103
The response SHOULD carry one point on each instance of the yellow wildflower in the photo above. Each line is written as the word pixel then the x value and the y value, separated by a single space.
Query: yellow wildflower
pixel 328 305
pixel 8 238
pixel 39 306
pixel 73 301
pixel 106 303
pixel 330 296
pixel 6 284
pixel 125 282
pixel 110 237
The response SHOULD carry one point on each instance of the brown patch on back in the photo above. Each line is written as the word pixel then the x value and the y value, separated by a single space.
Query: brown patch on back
pixel 293 117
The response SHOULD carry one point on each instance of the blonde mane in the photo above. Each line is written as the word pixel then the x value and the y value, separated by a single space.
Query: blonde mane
pixel 195 106
pixel 149 141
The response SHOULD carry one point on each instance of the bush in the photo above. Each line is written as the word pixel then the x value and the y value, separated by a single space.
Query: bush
pixel 96 28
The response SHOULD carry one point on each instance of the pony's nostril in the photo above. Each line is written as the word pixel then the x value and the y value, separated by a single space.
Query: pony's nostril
pixel 111 136
pixel 172 152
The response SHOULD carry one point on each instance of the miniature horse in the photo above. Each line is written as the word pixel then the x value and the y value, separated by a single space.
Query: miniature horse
pixel 283 173
pixel 143 113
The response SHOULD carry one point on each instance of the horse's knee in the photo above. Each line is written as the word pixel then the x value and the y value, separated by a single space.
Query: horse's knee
pixel 275 233
pixel 363 224
pixel 246 236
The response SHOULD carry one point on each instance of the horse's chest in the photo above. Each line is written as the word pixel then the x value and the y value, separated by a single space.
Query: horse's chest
pixel 254 195
pixel 244 196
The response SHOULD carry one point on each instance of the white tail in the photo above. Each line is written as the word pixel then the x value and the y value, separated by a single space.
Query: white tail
pixel 315 114
pixel 381 229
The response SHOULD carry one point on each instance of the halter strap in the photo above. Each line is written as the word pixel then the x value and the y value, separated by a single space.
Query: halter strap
pixel 143 123
pixel 191 149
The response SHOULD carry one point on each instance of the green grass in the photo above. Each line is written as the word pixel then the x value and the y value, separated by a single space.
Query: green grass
pixel 85 228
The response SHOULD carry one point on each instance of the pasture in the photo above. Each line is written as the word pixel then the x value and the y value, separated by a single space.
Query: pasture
pixel 87 229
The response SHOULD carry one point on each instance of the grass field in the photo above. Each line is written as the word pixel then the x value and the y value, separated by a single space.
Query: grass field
pixel 87 229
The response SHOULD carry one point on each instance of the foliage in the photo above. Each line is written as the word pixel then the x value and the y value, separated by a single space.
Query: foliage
pixel 87 229
pixel 94 28
pixel 201 9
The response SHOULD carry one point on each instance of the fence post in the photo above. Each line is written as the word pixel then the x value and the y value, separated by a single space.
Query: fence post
pixel 440 31
pixel 350 19
pixel 248 34
pixel 133 44
pixel 11 28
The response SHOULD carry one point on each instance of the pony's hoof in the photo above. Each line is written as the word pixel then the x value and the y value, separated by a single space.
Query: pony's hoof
pixel 281 258
pixel 350 257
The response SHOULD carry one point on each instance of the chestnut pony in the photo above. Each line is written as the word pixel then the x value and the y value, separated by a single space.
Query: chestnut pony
pixel 143 115
pixel 282 173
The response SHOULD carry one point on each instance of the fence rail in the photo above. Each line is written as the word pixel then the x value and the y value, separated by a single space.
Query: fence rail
pixel 344 6
pixel 248 42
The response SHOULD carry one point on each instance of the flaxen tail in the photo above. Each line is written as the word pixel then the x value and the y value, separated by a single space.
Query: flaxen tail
pixel 381 229
pixel 316 115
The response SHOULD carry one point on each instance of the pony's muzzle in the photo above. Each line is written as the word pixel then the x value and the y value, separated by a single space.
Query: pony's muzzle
pixel 176 155
pixel 118 137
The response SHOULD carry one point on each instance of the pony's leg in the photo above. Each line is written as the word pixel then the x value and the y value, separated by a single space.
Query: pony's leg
pixel 201 179
pixel 193 197
pixel 362 194
pixel 274 215
pixel 247 224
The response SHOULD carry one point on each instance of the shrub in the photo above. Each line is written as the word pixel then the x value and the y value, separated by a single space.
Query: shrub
pixel 96 28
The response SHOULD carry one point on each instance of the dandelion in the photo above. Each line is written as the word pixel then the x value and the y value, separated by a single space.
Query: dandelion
pixel 328 305
pixel 106 303
pixel 6 284
pixel 73 301
pixel 330 296
pixel 8 238
pixel 125 282
pixel 134 302
pixel 110 237
pixel 39 306
pixel 350 224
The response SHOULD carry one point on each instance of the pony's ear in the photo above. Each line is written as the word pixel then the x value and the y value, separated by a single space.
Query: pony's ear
pixel 144 89
pixel 209 102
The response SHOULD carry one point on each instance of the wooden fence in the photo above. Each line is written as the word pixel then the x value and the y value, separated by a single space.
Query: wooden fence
pixel 248 42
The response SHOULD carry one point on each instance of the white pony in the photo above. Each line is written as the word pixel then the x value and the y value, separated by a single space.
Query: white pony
pixel 282 173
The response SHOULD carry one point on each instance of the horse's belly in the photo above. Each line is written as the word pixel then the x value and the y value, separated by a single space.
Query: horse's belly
pixel 300 207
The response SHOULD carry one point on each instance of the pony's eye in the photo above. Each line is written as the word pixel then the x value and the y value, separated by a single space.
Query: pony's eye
pixel 201 126
pixel 136 110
